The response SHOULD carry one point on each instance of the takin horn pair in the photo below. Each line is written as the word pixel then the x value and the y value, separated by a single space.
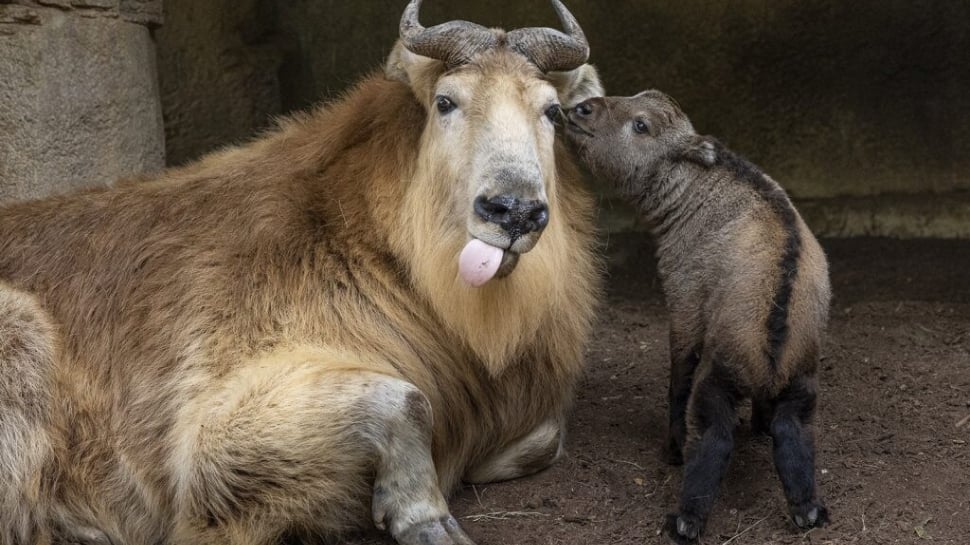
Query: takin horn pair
pixel 457 42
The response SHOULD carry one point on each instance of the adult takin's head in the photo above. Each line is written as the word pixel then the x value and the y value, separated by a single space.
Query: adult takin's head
pixel 488 148
pixel 628 139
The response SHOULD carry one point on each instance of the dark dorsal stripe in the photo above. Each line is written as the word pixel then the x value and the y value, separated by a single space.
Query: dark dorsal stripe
pixel 744 171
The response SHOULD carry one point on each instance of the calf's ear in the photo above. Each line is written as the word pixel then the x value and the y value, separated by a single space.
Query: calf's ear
pixel 417 71
pixel 577 85
pixel 701 150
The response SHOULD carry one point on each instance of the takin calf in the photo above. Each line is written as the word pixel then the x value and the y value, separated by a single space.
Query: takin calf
pixel 746 285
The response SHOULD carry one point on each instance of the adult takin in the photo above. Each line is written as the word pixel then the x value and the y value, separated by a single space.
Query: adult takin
pixel 746 285
pixel 333 324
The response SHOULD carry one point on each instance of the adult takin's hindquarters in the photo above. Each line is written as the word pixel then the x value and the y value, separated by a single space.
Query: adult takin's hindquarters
pixel 281 342
pixel 746 285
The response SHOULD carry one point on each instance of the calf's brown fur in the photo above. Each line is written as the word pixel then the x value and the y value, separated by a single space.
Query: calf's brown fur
pixel 274 343
pixel 746 285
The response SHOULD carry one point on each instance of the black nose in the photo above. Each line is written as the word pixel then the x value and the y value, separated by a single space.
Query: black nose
pixel 516 216
pixel 584 108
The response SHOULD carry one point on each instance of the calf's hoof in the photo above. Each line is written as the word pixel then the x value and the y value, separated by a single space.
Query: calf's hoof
pixel 443 531
pixel 683 529
pixel 809 515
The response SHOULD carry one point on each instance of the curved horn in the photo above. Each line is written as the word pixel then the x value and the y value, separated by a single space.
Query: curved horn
pixel 551 49
pixel 454 42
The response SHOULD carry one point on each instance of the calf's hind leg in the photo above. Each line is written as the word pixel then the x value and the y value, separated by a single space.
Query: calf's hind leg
pixel 712 415
pixel 301 445
pixel 684 357
pixel 794 451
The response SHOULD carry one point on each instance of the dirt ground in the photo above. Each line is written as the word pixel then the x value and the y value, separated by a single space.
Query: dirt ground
pixel 893 429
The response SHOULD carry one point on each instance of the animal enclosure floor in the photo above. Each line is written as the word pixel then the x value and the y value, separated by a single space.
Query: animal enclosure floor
pixel 893 429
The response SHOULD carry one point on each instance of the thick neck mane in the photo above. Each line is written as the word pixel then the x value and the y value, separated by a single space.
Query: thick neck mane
pixel 352 156
pixel 360 157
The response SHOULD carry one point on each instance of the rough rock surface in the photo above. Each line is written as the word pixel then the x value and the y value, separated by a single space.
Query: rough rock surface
pixel 79 101
pixel 218 63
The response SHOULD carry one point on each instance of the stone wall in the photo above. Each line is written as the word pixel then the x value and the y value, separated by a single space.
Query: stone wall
pixel 858 108
pixel 218 64
pixel 78 94
pixel 841 98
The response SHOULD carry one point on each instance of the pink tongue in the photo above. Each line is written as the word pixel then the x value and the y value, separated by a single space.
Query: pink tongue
pixel 479 262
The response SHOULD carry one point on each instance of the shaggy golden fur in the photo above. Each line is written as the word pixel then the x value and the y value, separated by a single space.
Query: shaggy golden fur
pixel 234 351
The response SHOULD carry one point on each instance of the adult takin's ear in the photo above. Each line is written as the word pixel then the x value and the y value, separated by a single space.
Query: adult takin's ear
pixel 414 70
pixel 577 85
pixel 701 150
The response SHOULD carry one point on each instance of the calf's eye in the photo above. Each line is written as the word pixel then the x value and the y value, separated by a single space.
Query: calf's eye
pixel 641 127
pixel 444 104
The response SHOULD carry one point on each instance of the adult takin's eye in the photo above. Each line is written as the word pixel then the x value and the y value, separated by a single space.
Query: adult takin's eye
pixel 444 104
pixel 553 112
pixel 641 127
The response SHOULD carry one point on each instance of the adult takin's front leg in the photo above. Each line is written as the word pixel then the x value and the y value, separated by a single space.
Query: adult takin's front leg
pixel 305 444
pixel 530 454
pixel 407 499
pixel 794 451
pixel 712 413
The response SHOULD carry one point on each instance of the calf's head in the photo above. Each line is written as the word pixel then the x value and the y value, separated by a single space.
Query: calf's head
pixel 626 139
pixel 487 158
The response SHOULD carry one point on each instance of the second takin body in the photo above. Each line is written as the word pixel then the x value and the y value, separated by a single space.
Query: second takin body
pixel 746 285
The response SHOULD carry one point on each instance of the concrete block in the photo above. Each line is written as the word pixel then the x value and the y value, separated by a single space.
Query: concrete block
pixel 79 100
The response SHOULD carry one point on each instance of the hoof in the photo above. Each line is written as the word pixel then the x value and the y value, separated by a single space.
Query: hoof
pixel 683 529
pixel 444 531
pixel 809 515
